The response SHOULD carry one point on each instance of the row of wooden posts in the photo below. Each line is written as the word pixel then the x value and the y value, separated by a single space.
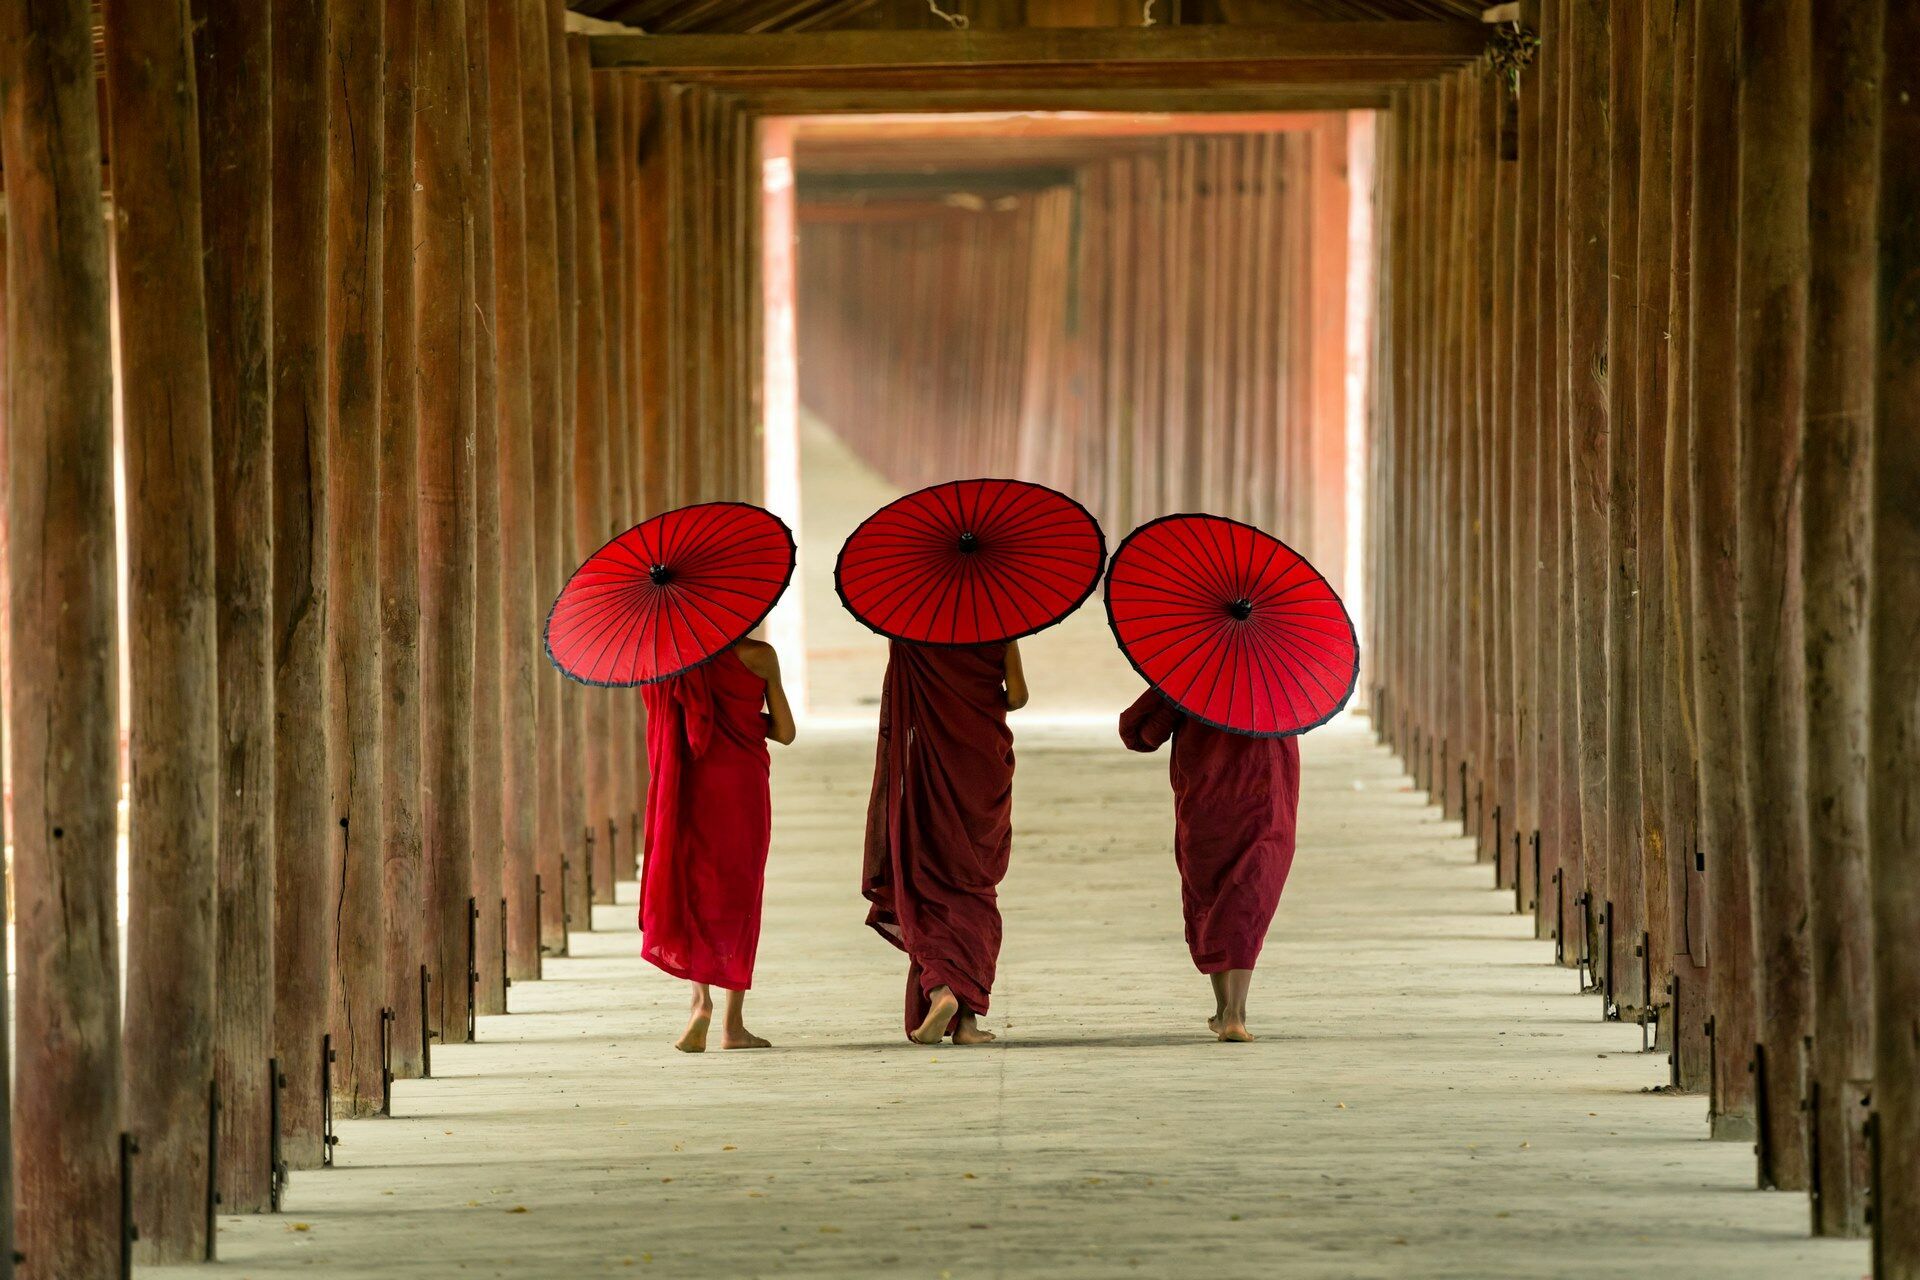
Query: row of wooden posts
pixel 1645 549
pixel 389 318
pixel 1096 335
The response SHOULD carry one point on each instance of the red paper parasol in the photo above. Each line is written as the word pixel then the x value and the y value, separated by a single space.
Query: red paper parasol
pixel 971 562
pixel 1232 625
pixel 670 593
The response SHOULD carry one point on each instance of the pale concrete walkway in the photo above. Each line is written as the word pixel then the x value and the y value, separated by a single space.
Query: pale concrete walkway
pixel 1429 1098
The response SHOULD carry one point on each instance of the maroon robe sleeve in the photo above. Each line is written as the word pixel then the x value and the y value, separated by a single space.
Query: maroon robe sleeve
pixel 1149 722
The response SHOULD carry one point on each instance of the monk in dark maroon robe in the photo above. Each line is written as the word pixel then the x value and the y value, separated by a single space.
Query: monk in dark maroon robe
pixel 939 827
pixel 709 822
pixel 1235 801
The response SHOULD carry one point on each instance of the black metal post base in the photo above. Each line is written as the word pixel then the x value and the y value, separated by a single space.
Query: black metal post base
pixel 473 967
pixel 328 1139
pixel 129 1233
pixel 426 1027
pixel 213 1168
pixel 387 1019
pixel 276 1153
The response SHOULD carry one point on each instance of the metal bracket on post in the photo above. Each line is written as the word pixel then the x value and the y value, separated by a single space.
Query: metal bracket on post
pixel 1559 916
pixel 387 1019
pixel 506 979
pixel 1713 1068
pixel 613 855
pixel 213 1168
pixel 1673 1021
pixel 1464 829
pixel 1644 951
pixel 1499 843
pixel 1811 1106
pixel 328 1140
pixel 1763 1129
pixel 426 1027
pixel 566 904
pixel 1875 1218
pixel 1436 778
pixel 590 886
pixel 276 1157
pixel 1609 1008
pixel 129 1148
pixel 1584 956
pixel 539 927
pixel 1414 760
pixel 1534 906
pixel 473 968
pixel 1519 880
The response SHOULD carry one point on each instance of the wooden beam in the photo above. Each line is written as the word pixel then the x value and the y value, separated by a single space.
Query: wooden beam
pixel 1047 49
pixel 1187 99
pixel 355 240
pixel 403 876
pixel 61 629
pixel 448 338
pixel 167 427
pixel 233 72
pixel 520 620
pixel 302 830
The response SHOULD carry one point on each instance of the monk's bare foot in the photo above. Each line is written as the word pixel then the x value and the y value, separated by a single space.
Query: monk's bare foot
pixel 933 1028
pixel 1234 1030
pixel 968 1033
pixel 1213 1024
pixel 694 1038
pixel 741 1038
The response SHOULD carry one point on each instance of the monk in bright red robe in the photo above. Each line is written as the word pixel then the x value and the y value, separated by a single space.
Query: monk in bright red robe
pixel 1235 802
pixel 940 827
pixel 709 821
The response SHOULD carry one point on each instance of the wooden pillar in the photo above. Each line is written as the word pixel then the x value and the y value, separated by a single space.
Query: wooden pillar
pixel 1653 272
pixel 590 448
pixel 1520 803
pixel 7 1220
pixel 1687 891
pixel 302 827
pixel 403 875
pixel 173 810
pixel 1894 740
pixel 649 220
pixel 61 626
pixel 1775 82
pixel 355 239
pixel 1836 514
pixel 448 334
pixel 543 337
pixel 614 155
pixel 1569 837
pixel 1716 634
pixel 1624 887
pixel 232 72
pixel 573 729
pixel 1328 263
pixel 488 773
pixel 1586 284
pixel 520 618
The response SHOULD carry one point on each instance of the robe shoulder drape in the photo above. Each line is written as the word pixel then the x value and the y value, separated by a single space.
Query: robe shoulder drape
pixel 939 823
pixel 1236 801
pixel 709 820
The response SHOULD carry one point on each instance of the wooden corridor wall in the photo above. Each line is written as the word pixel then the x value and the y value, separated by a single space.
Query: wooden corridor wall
pixel 1643 550
pixel 358 473
pixel 1166 333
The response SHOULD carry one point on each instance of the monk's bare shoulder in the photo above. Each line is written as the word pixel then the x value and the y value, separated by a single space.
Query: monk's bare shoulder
pixel 759 657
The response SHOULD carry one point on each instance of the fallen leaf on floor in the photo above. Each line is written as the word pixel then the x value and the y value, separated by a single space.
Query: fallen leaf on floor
pixel 666 1179
pixel 519 1208
pixel 729 1148
pixel 1340 1106
pixel 299 1226
pixel 829 1231
pixel 1525 1145
pixel 966 1175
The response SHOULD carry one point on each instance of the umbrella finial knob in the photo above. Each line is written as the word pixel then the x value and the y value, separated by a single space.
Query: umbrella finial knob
pixel 968 544
pixel 661 575
pixel 1241 609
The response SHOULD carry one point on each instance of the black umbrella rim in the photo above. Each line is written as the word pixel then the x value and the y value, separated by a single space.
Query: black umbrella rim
pixel 546 630
pixel 1346 614
pixel 1099 569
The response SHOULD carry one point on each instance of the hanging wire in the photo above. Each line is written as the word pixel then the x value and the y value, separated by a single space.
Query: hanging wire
pixel 958 21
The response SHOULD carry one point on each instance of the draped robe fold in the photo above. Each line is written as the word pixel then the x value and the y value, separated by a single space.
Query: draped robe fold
pixel 939 823
pixel 1235 802
pixel 709 821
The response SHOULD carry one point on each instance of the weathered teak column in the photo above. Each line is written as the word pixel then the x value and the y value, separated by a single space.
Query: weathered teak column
pixel 447 337
pixel 61 645
pixel 614 153
pixel 1504 359
pixel 1716 637
pixel 403 879
pixel 520 655
pixel 573 697
pixel 1836 513
pixel 1526 467
pixel 1624 887
pixel 233 74
pixel 543 329
pixel 1569 816
pixel 1586 282
pixel 648 218
pixel 590 449
pixel 302 828
pixel 1775 36
pixel 355 240
pixel 173 812
pixel 488 769
pixel 1687 883
pixel 1653 281
pixel 1894 741
pixel 7 1221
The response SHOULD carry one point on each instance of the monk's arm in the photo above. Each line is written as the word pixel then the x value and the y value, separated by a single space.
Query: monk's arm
pixel 1148 722
pixel 1016 678
pixel 781 729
